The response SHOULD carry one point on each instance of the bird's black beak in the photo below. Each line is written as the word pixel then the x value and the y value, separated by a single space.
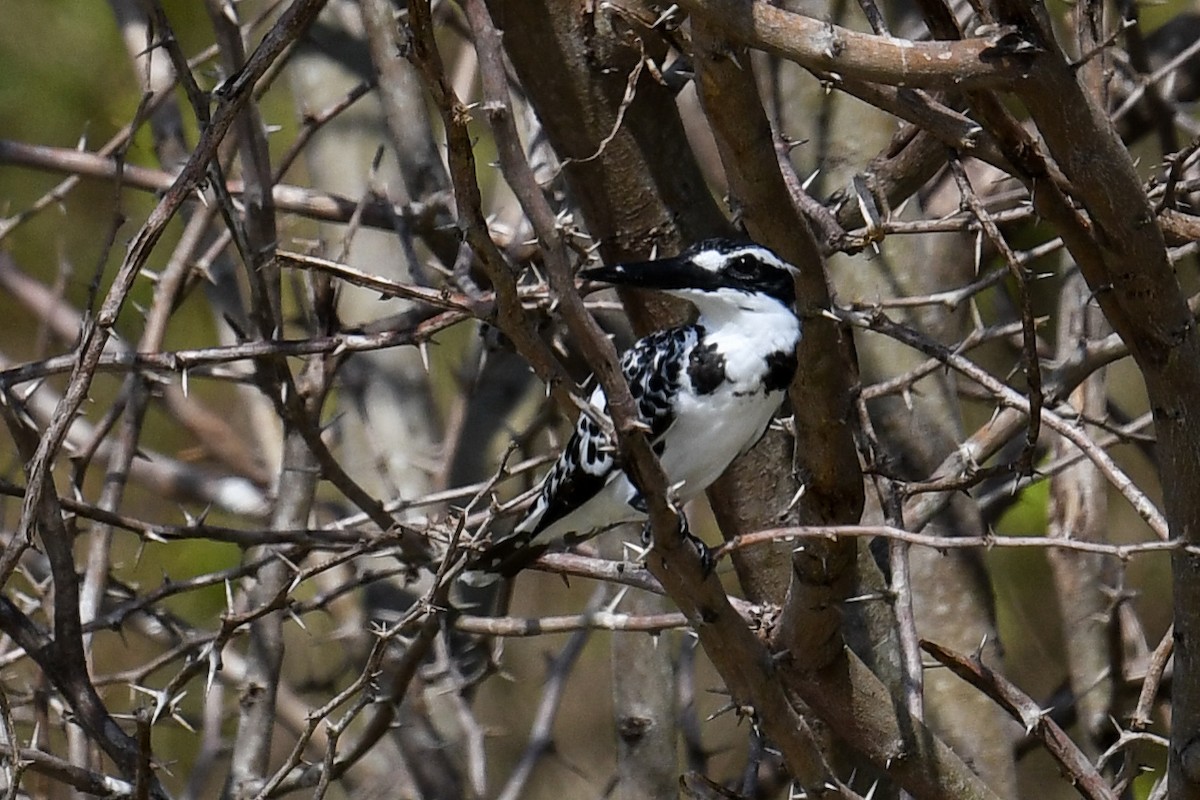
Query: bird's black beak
pixel 663 274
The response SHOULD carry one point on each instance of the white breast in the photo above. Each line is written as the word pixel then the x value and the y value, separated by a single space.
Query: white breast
pixel 713 429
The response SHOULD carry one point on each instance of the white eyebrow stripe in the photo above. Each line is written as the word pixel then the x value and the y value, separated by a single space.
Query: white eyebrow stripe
pixel 709 260
pixel 713 260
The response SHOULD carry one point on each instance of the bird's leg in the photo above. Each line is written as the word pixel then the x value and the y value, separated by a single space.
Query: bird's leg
pixel 639 503
pixel 707 564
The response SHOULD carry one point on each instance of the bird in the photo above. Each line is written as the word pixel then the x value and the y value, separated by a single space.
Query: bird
pixel 705 393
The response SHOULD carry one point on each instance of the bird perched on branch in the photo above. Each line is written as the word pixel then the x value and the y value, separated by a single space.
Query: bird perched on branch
pixel 705 393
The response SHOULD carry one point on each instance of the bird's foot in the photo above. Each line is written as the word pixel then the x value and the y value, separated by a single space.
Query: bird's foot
pixel 707 562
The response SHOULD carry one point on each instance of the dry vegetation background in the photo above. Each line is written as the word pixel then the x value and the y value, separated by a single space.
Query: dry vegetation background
pixel 283 288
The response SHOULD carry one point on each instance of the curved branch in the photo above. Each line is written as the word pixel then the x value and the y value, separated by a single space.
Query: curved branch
pixel 817 45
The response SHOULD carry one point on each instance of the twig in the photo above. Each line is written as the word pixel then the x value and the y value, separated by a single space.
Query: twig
pixel 1176 162
pixel 85 780
pixel 510 317
pixel 62 658
pixel 311 203
pixel 421 624
pixel 293 22
pixel 819 45
pixel 1141 719
pixel 1002 492
pixel 1031 364
pixel 541 733
pixel 589 620
pixel 890 502
pixel 1163 72
pixel 1122 552
pixel 902 384
pixel 1035 720
pixel 1009 397
pixel 437 298
pixel 185 361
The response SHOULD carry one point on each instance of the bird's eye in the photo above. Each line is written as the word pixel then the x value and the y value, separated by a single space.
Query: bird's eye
pixel 743 267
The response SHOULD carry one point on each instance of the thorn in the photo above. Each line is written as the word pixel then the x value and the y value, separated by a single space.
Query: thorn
pixel 868 597
pixel 794 501
pixel 638 551
pixel 1035 720
pixel 160 704
pixel 666 15
pixel 725 709
pixel 978 654
pixel 214 664
pixel 296 618
pixel 611 606
pixel 290 564
pixel 182 722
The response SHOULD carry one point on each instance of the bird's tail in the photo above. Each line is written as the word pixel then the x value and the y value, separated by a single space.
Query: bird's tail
pixel 503 559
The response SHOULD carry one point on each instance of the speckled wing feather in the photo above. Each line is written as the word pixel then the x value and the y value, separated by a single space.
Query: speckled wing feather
pixel 653 368
pixel 582 469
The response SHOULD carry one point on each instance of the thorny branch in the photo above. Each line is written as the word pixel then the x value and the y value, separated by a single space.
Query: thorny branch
pixel 306 556
pixel 1023 709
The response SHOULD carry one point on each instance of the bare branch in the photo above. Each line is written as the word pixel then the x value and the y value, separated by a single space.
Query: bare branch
pixel 1078 768
pixel 307 202
pixel 818 45
pixel 91 347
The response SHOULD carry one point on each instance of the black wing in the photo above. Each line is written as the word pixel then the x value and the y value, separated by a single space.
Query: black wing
pixel 653 367
pixel 582 469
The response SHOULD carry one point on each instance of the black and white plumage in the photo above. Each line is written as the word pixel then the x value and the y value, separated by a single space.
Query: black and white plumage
pixel 705 391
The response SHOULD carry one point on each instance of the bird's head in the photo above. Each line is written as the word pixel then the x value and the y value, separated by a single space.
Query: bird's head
pixel 715 274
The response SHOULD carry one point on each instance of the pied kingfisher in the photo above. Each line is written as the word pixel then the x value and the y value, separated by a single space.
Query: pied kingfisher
pixel 705 392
